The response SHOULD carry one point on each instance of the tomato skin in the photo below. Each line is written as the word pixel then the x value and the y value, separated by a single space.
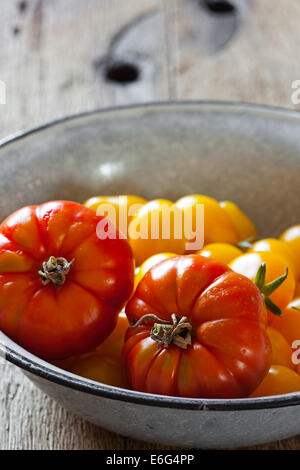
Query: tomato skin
pixel 243 225
pixel 148 246
pixel 281 350
pixel 248 265
pixel 218 226
pixel 222 252
pixel 119 204
pixel 279 380
pixel 279 248
pixel 52 322
pixel 65 364
pixel 291 237
pixel 148 263
pixel 113 345
pixel 289 324
pixel 228 316
pixel 102 368
pixel 103 364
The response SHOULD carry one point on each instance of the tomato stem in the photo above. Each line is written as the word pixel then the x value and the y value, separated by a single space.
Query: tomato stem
pixel 268 289
pixel 55 271
pixel 178 331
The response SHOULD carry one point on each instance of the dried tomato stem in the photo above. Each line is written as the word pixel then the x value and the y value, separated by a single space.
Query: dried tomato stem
pixel 165 333
pixel 55 271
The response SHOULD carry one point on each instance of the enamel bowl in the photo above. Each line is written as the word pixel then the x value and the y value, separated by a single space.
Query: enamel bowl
pixel 248 154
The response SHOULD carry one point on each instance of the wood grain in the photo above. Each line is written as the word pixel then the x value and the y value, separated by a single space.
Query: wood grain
pixel 49 55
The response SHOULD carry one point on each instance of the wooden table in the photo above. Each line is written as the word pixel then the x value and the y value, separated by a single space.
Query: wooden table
pixel 63 57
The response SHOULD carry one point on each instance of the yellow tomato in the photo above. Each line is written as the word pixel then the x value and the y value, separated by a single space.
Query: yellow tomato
pixel 113 345
pixel 218 226
pixel 153 230
pixel 119 209
pixel 222 252
pixel 243 225
pixel 281 350
pixel 249 263
pixel 105 363
pixel 279 380
pixel 289 324
pixel 101 368
pixel 292 238
pixel 65 364
pixel 277 247
pixel 146 265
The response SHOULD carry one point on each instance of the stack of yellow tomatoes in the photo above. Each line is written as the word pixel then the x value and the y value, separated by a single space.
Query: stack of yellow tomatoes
pixel 230 237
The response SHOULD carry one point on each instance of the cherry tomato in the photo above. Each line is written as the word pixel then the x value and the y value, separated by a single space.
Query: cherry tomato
pixel 249 263
pixel 279 380
pixel 105 363
pixel 218 226
pixel 289 324
pixel 279 248
pixel 223 252
pixel 208 336
pixel 113 345
pixel 102 368
pixel 297 290
pixel 115 207
pixel 61 287
pixel 243 225
pixel 146 265
pixel 292 238
pixel 157 229
pixel 281 350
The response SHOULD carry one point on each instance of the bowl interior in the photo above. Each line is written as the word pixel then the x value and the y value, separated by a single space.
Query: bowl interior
pixel 243 153
pixel 247 154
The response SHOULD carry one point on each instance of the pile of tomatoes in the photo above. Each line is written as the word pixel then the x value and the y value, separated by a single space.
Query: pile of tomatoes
pixel 146 314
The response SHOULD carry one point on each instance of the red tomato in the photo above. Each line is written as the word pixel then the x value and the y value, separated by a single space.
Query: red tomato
pixel 103 364
pixel 61 287
pixel 219 348
pixel 278 248
pixel 111 346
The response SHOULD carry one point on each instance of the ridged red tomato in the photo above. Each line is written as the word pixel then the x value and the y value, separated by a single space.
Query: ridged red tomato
pixel 208 338
pixel 61 287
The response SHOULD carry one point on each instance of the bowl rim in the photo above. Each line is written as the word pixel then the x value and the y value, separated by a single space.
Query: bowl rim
pixel 58 376
pixel 219 105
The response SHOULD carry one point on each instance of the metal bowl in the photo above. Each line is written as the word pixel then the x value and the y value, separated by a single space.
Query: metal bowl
pixel 248 154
